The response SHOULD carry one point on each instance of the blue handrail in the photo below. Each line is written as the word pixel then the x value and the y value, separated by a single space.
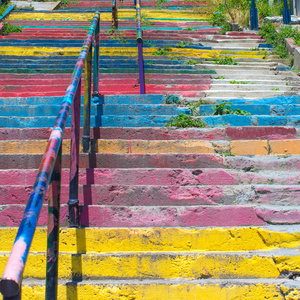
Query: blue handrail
pixel 10 284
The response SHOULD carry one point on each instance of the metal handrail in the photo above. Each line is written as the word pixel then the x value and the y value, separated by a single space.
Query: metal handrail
pixel 114 15
pixel 50 169
pixel 139 39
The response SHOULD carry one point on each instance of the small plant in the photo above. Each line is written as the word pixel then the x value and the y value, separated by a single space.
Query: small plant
pixel 184 121
pixel 238 82
pixel 188 29
pixel 172 99
pixel 191 62
pixel 194 106
pixel 183 44
pixel 8 28
pixel 144 20
pixel 274 89
pixel 225 109
pixel 220 77
pixel 159 3
pixel 226 153
pixel 226 27
pixel 224 61
pixel 162 51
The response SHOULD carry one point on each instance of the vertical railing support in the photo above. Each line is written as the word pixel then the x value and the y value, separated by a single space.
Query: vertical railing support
pixel 253 16
pixel 139 39
pixel 114 15
pixel 53 231
pixel 73 188
pixel 96 60
pixel 87 102
pixel 286 13
pixel 16 297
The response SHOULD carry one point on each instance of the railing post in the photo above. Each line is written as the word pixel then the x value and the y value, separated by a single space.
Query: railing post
pixel 114 15
pixel 53 231
pixel 253 17
pixel 87 102
pixel 96 60
pixel 139 40
pixel 286 13
pixel 74 157
pixel 16 297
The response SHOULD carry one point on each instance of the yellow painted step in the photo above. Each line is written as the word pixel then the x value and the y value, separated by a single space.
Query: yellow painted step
pixel 129 51
pixel 160 265
pixel 114 146
pixel 167 291
pixel 112 240
pixel 237 147
pixel 122 14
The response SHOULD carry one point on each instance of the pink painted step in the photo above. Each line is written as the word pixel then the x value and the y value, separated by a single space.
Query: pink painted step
pixel 131 133
pixel 199 216
pixel 162 195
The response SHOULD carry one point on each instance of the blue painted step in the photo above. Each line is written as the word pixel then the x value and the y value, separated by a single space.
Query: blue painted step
pixel 256 109
pixel 277 100
pixel 234 120
pixel 132 121
pixel 110 99
pixel 128 109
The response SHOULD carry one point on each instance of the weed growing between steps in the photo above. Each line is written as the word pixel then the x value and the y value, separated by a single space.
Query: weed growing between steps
pixel 159 3
pixel 183 44
pixel 118 35
pixel 144 20
pixel 8 28
pixel 225 109
pixel 172 99
pixel 276 38
pixel 191 62
pixel 193 107
pixel 238 82
pixel 162 51
pixel 185 121
pixel 224 61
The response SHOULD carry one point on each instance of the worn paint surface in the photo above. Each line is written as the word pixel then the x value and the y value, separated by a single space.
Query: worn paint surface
pixel 115 240
pixel 183 291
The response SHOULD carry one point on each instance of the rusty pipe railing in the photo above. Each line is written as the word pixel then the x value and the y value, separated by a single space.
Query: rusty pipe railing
pixel 50 170
pixel 139 39
pixel 114 15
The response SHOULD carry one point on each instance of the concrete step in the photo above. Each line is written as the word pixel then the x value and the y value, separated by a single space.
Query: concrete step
pixel 12 180
pixel 162 195
pixel 145 133
pixel 165 265
pixel 237 147
pixel 256 109
pixel 205 289
pixel 106 109
pixel 165 216
pixel 259 120
pixel 172 160
pixel 138 240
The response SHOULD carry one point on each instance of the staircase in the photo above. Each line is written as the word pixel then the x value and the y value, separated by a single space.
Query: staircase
pixel 166 213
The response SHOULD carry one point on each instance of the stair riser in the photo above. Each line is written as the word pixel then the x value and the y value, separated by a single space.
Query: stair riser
pixel 169 216
pixel 226 134
pixel 111 240
pixel 163 291
pixel 165 195
pixel 12 179
pixel 182 161
pixel 157 266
